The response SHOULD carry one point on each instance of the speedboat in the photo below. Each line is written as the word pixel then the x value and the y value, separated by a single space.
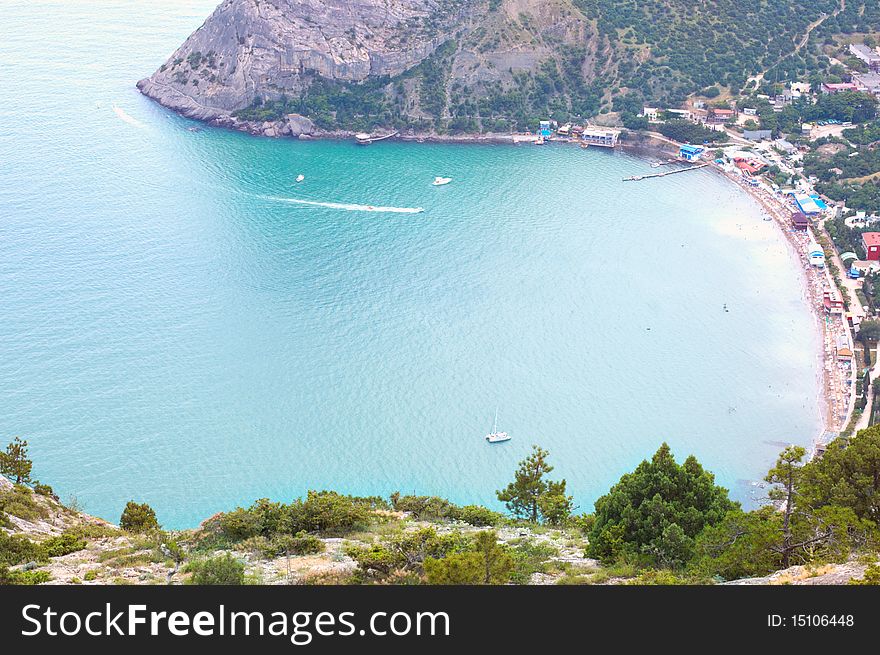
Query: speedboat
pixel 300 178
pixel 440 181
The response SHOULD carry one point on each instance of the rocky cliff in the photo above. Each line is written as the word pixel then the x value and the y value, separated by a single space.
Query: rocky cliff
pixel 262 48
pixel 398 62
pixel 465 66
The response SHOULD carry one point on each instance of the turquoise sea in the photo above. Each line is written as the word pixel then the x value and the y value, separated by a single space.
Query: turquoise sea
pixel 173 330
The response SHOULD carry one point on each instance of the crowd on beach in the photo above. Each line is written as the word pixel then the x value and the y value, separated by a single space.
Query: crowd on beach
pixel 838 373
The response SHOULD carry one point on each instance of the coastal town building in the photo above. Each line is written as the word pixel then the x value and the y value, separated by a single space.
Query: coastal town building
pixel 688 152
pixel 597 136
pixel 785 146
pixel 799 221
pixel 749 166
pixel 720 116
pixel 866 54
pixel 833 303
pixel 838 87
pixel 871 241
pixel 809 203
pixel 868 82
pixel 683 114
pixel 652 114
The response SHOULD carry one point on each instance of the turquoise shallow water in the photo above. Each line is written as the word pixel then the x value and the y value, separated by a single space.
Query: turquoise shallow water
pixel 171 330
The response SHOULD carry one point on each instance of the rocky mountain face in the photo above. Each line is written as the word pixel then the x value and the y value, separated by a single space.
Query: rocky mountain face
pixel 468 66
pixel 400 62
pixel 263 48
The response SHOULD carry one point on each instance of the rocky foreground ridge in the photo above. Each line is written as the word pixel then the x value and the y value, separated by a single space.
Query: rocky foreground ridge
pixel 103 553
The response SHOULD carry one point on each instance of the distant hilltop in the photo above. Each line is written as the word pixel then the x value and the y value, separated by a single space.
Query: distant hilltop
pixel 294 67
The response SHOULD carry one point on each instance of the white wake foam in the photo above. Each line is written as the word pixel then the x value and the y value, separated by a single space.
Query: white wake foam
pixel 348 206
pixel 128 119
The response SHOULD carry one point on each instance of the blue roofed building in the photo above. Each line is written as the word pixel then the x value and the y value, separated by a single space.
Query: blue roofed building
pixel 690 153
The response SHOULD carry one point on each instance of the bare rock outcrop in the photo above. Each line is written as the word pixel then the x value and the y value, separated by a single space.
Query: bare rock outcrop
pixel 258 48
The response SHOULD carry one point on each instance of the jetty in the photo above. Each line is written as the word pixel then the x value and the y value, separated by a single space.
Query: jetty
pixel 635 178
pixel 364 139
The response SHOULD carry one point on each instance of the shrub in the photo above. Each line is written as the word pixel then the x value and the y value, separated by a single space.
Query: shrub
pixel 19 501
pixel 91 575
pixel 479 516
pixel 63 545
pixel 30 577
pixel 425 507
pixel 328 511
pixel 455 569
pixel 16 549
pixel 138 518
pixel 222 570
pixel 406 552
pixel 240 524
pixel 530 557
pixel 299 544
pixel 44 490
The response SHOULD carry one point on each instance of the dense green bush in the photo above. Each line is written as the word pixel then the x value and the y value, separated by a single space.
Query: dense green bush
pixel 35 577
pixel 19 501
pixel 18 549
pixel 319 512
pixel 241 524
pixel 64 544
pixel 479 516
pixel 685 131
pixel 222 570
pixel 428 508
pixel 138 517
pixel 656 512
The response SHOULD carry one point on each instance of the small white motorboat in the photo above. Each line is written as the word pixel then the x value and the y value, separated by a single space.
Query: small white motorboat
pixel 440 181
pixel 495 436
pixel 300 178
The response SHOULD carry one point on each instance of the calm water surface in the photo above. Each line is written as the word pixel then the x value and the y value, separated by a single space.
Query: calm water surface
pixel 174 330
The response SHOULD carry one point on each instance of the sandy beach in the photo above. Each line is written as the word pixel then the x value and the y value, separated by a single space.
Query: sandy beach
pixel 838 383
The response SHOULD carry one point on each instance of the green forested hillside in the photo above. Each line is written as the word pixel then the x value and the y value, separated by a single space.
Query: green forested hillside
pixel 502 64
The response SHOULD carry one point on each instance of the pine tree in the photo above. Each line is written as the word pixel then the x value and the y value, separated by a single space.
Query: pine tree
pixel 522 495
pixel 15 464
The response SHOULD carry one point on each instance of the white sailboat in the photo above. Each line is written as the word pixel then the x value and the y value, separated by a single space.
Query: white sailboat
pixel 495 436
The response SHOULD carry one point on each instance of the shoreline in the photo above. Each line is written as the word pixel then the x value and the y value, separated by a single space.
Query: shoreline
pixel 835 410
pixel 837 390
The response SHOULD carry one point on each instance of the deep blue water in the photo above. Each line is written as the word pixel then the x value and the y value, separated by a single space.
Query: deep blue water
pixel 173 331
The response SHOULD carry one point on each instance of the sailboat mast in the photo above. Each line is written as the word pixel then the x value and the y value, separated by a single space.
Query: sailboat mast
pixel 495 424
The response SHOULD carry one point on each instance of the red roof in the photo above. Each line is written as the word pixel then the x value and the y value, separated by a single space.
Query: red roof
pixel 751 166
pixel 871 238
pixel 840 86
pixel 723 112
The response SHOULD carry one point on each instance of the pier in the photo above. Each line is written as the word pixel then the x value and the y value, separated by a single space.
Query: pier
pixel 636 178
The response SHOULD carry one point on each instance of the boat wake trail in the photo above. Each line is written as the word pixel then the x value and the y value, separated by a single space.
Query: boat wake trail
pixel 348 206
pixel 128 119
